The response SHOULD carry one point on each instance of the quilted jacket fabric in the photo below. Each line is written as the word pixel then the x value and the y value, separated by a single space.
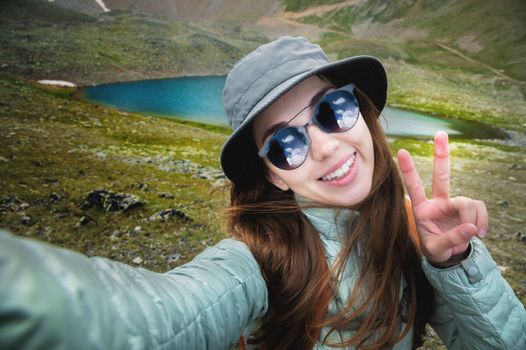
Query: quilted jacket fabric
pixel 51 298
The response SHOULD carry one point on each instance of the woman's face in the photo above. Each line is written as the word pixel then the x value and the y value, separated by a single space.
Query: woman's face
pixel 339 166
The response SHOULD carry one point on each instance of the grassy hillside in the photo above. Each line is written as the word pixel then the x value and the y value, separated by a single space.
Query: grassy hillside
pixel 233 11
pixel 299 5
pixel 492 32
pixel 441 58
pixel 40 40
pixel 54 152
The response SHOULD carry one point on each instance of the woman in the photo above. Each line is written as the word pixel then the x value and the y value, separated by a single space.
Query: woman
pixel 321 252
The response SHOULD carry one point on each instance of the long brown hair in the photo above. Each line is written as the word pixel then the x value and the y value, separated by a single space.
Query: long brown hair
pixel 292 260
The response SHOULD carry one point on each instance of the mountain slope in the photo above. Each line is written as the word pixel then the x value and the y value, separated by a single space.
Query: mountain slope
pixel 188 10
pixel 42 40
pixel 492 32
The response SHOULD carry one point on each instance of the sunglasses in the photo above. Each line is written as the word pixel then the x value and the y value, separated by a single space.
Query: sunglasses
pixel 336 112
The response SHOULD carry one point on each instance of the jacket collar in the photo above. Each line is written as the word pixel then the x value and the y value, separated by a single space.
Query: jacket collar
pixel 331 223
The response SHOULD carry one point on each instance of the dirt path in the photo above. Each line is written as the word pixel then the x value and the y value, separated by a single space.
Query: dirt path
pixel 288 22
pixel 318 10
pixel 494 70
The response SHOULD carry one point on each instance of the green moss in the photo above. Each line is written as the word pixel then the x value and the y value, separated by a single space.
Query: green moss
pixel 414 146
pixel 59 91
pixel 299 5
pixel 209 127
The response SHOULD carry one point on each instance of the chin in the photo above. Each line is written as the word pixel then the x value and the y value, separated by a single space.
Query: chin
pixel 356 198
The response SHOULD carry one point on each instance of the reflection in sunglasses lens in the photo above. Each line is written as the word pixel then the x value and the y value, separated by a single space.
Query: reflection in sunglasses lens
pixel 288 148
pixel 337 112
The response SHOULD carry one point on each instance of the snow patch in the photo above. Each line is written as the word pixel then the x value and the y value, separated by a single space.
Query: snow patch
pixel 56 83
pixel 101 4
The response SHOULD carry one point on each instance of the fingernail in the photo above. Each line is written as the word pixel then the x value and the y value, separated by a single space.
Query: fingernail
pixel 482 232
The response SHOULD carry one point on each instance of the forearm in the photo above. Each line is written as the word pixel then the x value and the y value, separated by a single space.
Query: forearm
pixel 55 298
pixel 475 305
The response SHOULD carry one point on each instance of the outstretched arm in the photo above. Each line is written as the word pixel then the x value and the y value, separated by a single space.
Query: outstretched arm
pixel 56 298
pixel 475 308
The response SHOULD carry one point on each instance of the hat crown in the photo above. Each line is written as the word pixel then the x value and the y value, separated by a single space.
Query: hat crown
pixel 257 74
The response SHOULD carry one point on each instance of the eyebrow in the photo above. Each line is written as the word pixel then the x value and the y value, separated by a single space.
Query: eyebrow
pixel 282 124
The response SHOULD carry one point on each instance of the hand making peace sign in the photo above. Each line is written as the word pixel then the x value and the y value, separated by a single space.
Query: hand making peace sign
pixel 445 225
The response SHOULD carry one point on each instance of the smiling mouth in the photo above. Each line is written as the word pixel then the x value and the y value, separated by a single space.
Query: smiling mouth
pixel 341 171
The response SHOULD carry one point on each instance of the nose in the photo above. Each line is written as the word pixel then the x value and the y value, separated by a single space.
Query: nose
pixel 322 144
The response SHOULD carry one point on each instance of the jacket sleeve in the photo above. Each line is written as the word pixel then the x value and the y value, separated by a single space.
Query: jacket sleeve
pixel 52 298
pixel 475 308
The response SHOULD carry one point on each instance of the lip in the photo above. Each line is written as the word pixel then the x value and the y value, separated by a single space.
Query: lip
pixel 348 178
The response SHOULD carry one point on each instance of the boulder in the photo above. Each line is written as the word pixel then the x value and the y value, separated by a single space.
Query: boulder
pixel 109 201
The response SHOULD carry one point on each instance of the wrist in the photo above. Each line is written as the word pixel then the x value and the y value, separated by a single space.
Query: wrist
pixel 453 260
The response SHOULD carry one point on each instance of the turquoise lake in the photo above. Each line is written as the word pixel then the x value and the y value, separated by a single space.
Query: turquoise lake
pixel 199 99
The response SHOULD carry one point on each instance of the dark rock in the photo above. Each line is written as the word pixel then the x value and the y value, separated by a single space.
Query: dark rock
pixel 503 203
pixel 50 180
pixel 142 186
pixel 54 197
pixel 13 204
pixel 26 220
pixel 110 201
pixel 84 220
pixel 519 237
pixel 167 214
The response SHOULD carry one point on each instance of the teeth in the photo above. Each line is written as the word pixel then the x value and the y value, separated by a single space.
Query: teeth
pixel 340 172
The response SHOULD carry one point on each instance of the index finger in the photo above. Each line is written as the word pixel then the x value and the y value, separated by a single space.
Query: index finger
pixel 441 166
pixel 411 178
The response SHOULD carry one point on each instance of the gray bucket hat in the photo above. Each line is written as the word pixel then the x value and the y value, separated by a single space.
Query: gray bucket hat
pixel 261 77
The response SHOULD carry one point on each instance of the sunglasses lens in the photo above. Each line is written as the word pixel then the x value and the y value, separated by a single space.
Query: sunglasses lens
pixel 288 148
pixel 337 111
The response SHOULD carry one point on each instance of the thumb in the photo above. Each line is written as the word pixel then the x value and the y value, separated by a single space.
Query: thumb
pixel 457 236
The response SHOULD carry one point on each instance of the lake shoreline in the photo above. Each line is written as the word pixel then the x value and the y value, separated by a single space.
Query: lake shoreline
pixel 198 99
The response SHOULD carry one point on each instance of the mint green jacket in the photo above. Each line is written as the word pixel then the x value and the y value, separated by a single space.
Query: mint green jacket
pixel 52 298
